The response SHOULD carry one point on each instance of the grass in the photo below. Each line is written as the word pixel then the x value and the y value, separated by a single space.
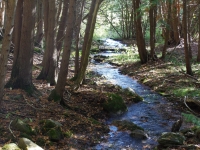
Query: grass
pixel 128 57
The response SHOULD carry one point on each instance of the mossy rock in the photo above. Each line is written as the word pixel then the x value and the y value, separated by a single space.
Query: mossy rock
pixel 55 134
pixel 114 104
pixel 21 126
pixel 10 146
pixel 68 134
pixel 41 142
pixel 126 125
pixel 171 139
pixel 197 133
pixel 139 134
pixel 24 135
pixel 48 124
pixel 134 96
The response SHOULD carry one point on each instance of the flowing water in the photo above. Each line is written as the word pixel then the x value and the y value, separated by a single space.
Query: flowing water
pixel 155 114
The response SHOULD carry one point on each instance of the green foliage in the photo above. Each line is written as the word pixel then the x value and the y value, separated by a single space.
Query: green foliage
pixel 37 50
pixel 94 121
pixel 186 91
pixel 129 56
pixel 40 141
pixel 68 134
pixel 114 104
pixel 191 118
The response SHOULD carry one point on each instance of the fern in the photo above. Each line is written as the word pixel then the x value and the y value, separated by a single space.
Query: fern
pixel 191 118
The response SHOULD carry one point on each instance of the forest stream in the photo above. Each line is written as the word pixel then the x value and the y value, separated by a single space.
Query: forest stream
pixel 155 114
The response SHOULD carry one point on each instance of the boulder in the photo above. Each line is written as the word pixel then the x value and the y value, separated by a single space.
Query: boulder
pixel 21 126
pixel 139 134
pixel 55 134
pixel 52 129
pixel 114 104
pixel 27 144
pixel 10 146
pixel 171 139
pixel 126 125
pixel 134 96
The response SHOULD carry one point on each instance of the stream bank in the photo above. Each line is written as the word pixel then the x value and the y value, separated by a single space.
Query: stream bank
pixel 155 114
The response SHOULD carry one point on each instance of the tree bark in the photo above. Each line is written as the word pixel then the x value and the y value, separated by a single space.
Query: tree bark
pixel 21 76
pixel 139 34
pixel 49 64
pixel 10 7
pixel 187 58
pixel 57 94
pixel 198 55
pixel 61 28
pixel 167 30
pixel 152 19
pixel 87 40
pixel 39 24
pixel 79 15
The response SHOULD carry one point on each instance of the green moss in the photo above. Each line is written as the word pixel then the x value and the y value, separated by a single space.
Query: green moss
pixel 68 134
pixel 48 124
pixel 54 96
pixel 55 134
pixel 114 104
pixel 37 49
pixel 41 142
pixel 24 135
pixel 94 121
pixel 23 127
pixel 10 146
pixel 131 93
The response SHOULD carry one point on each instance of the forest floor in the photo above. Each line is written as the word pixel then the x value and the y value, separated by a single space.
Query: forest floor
pixel 84 121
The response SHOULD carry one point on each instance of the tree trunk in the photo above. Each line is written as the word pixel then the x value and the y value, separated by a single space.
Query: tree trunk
pixel 10 7
pixel 187 58
pixel 175 22
pixel 79 15
pixel 39 24
pixel 88 40
pixel 152 19
pixel 167 30
pixel 22 71
pixel 57 94
pixel 49 63
pixel 198 55
pixel 61 28
pixel 139 34
pixel 2 12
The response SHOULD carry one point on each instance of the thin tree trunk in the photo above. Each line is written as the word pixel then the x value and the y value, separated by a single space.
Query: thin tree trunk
pixel 152 19
pixel 57 94
pixel 88 40
pixel 139 35
pixel 187 59
pixel 39 24
pixel 10 7
pixel 49 71
pixel 198 55
pixel 167 30
pixel 79 15
pixel 22 71
pixel 61 30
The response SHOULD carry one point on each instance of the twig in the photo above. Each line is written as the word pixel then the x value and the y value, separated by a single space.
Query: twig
pixel 10 129
pixel 29 103
pixel 188 75
pixel 185 98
